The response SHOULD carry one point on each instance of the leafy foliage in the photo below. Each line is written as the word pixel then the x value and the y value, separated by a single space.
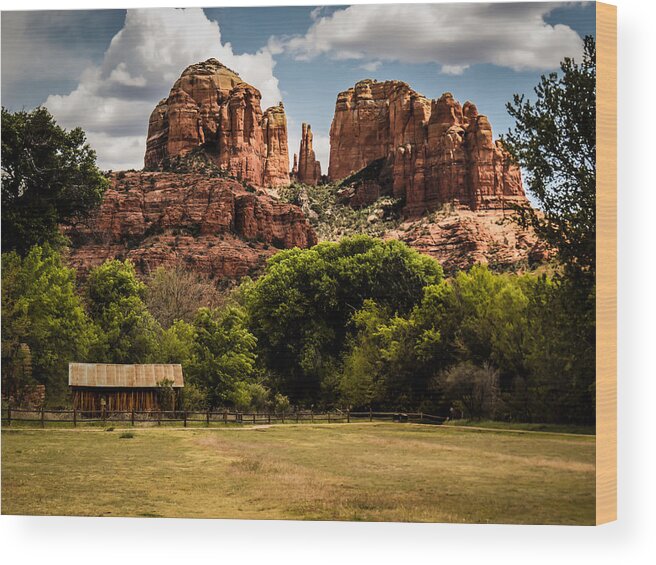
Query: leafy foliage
pixel 333 220
pixel 49 177
pixel 497 322
pixel 41 309
pixel 129 332
pixel 300 310
pixel 473 389
pixel 554 140
pixel 223 353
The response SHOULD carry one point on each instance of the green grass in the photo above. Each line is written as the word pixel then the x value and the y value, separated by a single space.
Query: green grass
pixel 394 472
pixel 521 426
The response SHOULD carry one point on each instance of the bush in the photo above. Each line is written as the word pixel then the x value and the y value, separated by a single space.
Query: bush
pixel 472 390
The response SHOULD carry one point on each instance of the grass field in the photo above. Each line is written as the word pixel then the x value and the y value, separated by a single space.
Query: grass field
pixel 395 472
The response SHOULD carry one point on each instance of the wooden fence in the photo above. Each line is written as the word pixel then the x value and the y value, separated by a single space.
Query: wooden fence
pixel 207 418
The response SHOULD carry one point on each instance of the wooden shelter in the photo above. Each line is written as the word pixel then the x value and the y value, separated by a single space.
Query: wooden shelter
pixel 108 387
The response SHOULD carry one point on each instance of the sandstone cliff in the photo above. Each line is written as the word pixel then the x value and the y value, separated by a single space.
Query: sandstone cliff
pixel 427 153
pixel 308 169
pixel 213 225
pixel 461 238
pixel 211 107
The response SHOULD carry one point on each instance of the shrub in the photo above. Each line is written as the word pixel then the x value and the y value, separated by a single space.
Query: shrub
pixel 472 390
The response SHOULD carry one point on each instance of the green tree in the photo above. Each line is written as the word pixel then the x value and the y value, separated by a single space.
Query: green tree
pixel 249 396
pixel 166 394
pixel 40 308
pixel 129 332
pixel 223 353
pixel 554 140
pixel 361 383
pixel 176 344
pixel 301 308
pixel 17 379
pixel 49 177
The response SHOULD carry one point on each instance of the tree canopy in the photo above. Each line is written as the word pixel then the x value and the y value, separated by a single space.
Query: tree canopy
pixel 301 308
pixel 42 310
pixel 130 334
pixel 554 140
pixel 49 177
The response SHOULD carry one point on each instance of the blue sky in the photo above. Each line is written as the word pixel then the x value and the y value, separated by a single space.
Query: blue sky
pixel 106 69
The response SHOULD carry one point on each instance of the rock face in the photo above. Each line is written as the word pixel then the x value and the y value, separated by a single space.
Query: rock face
pixel 426 152
pixel 213 225
pixel 211 107
pixel 308 168
pixel 460 238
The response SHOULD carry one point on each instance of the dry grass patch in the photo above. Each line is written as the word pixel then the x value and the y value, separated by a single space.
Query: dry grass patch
pixel 399 472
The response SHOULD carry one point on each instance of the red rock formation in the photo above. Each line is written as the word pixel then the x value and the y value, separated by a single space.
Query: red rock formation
pixel 459 238
pixel 430 153
pixel 276 166
pixel 209 106
pixel 309 169
pixel 214 225
pixel 294 173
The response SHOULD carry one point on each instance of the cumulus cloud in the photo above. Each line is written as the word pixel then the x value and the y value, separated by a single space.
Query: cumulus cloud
pixel 113 100
pixel 371 66
pixel 454 36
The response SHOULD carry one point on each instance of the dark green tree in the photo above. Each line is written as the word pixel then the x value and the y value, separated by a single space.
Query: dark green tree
pixel 471 389
pixel 49 178
pixel 300 310
pixel 554 140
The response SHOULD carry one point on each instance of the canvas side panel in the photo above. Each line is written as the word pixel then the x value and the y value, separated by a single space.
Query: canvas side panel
pixel 606 452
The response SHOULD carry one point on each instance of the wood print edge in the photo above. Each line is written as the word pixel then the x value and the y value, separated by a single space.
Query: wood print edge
pixel 606 292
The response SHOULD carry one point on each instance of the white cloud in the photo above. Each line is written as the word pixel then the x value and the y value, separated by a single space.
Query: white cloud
pixel 454 69
pixel 372 66
pixel 454 36
pixel 113 100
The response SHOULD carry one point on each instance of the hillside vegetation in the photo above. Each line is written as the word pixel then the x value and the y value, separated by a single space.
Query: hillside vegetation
pixel 332 219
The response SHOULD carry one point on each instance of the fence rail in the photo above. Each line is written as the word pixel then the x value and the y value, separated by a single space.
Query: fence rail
pixel 186 418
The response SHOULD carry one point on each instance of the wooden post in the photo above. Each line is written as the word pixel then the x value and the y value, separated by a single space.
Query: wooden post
pixel 185 418
pixel 312 416
pixel 421 416
pixel 283 416
pixel 329 416
pixel 43 422
pixel 208 418
pixel 9 416
pixel 297 416
pixel 132 417
pixel 225 417
pixel 348 416
pixel 268 417
pixel 371 417
pixel 159 417
pixel 75 417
